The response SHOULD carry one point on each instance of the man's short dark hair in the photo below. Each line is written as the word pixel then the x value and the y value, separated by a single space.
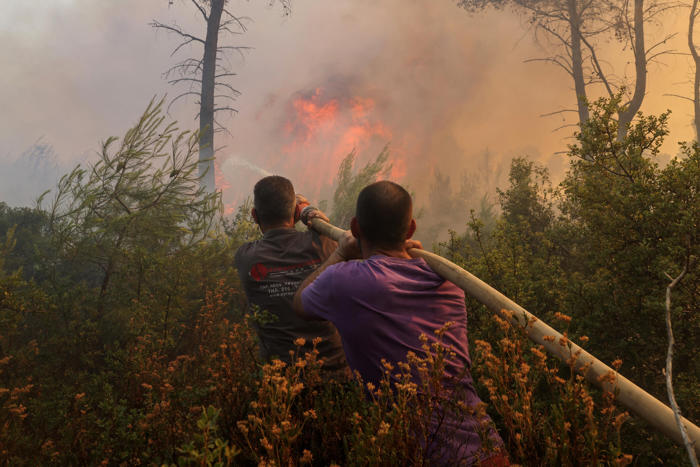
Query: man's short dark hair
pixel 384 212
pixel 274 200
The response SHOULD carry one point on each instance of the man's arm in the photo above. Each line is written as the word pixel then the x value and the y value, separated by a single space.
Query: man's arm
pixel 305 212
pixel 348 248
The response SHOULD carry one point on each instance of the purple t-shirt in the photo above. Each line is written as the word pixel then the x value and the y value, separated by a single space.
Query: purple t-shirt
pixel 381 306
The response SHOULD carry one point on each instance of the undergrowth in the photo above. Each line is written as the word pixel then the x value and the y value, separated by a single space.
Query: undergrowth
pixel 212 402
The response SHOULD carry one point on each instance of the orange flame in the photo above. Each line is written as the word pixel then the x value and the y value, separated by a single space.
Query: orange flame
pixel 324 131
pixel 320 131
pixel 312 117
pixel 223 186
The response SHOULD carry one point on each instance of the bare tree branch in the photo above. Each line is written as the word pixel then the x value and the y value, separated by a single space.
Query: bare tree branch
pixel 562 39
pixel 660 43
pixel 557 112
pixel 176 29
pixel 185 67
pixel 184 43
pixel 680 97
pixel 229 109
pixel 597 67
pixel 233 90
pixel 201 10
pixel 178 80
pixel 568 125
pixel 233 47
pixel 551 60
pixel 230 31
pixel 238 49
pixel 669 368
pixel 220 127
pixel 225 96
pixel 181 96
pixel 225 26
pixel 656 9
pixel 237 20
pixel 540 13
pixel 658 54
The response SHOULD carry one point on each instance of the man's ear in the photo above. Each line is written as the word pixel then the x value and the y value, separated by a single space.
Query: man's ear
pixel 254 213
pixel 355 228
pixel 411 229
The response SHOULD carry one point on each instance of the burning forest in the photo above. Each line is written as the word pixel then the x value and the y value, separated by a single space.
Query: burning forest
pixel 318 129
pixel 350 233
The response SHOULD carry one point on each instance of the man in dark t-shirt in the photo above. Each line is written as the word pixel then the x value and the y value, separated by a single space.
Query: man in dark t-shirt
pixel 272 268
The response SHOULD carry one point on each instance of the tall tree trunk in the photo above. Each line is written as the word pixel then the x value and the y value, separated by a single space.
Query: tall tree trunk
pixel 206 109
pixel 577 60
pixel 640 62
pixel 696 60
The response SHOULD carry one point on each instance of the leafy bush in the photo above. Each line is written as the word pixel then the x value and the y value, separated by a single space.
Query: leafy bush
pixel 598 248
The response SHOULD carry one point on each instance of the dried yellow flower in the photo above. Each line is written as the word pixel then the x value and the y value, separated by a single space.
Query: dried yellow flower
pixel 306 457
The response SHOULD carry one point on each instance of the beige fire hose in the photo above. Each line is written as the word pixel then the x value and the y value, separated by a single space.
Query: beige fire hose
pixel 629 394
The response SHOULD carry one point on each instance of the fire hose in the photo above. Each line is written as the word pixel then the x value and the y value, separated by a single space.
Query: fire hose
pixel 636 399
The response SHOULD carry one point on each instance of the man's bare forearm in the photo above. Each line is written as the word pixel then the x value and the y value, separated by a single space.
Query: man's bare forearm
pixel 334 258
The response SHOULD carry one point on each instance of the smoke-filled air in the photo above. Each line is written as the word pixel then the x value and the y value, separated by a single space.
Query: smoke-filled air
pixel 349 232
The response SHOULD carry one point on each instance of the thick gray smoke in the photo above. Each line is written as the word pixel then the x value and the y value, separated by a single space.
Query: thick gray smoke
pixel 30 174
pixel 445 89
pixel 451 93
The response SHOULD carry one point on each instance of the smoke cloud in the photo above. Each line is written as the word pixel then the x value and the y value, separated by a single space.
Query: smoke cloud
pixel 441 87
pixel 448 91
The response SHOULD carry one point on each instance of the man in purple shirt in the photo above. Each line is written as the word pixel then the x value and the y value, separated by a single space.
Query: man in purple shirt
pixel 381 306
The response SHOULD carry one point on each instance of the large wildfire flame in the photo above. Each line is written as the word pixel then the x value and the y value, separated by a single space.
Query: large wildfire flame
pixel 322 131
pixel 318 133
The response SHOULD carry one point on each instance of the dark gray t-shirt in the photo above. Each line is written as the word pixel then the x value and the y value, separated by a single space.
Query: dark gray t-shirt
pixel 271 269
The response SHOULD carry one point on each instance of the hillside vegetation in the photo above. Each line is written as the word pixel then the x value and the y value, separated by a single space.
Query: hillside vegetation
pixel 124 336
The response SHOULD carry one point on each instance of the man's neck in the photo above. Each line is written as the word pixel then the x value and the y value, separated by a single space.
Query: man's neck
pixel 370 251
pixel 283 225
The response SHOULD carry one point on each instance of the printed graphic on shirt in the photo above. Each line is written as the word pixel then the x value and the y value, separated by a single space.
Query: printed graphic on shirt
pixel 281 281
pixel 258 272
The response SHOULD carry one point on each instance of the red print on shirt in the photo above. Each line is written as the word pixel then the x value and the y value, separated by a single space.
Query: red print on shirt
pixel 258 272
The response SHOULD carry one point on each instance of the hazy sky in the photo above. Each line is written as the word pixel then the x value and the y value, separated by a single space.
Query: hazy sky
pixel 444 87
